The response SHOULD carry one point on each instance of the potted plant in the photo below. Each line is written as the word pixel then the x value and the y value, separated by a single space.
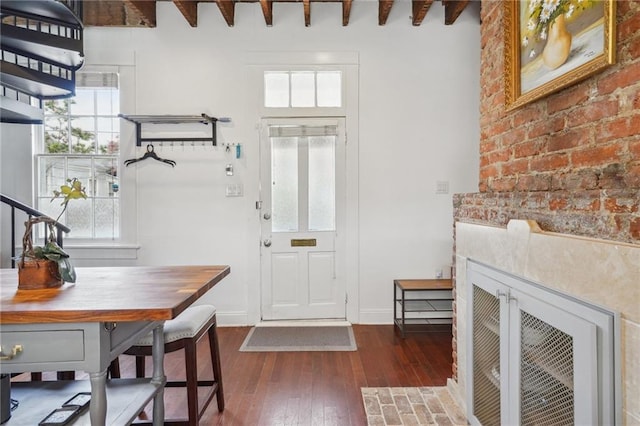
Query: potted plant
pixel 48 265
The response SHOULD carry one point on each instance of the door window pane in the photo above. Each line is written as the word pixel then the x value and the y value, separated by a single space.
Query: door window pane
pixel 329 88
pixel 284 184
pixel 276 89
pixel 322 183
pixel 303 89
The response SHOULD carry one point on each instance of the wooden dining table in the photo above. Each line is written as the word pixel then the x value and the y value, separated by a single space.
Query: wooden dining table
pixel 87 324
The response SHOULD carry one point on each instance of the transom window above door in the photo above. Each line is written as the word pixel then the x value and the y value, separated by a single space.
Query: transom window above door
pixel 303 89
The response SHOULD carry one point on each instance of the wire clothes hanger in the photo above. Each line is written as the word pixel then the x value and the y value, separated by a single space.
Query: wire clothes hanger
pixel 149 154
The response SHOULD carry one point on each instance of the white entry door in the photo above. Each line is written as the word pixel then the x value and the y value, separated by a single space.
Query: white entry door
pixel 302 192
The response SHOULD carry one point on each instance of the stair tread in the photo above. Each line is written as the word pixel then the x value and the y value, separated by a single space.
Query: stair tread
pixel 35 83
pixel 58 50
pixel 50 10
pixel 14 111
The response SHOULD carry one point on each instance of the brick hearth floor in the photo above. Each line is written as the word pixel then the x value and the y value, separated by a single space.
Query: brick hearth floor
pixel 411 406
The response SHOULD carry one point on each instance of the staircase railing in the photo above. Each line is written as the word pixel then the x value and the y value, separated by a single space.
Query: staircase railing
pixel 17 205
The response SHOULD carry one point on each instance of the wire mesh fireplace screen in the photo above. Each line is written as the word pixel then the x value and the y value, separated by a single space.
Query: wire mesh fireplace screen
pixel 546 381
pixel 486 357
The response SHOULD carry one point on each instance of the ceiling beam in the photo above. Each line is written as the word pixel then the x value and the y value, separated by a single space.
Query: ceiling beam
pixel 307 12
pixel 384 7
pixel 227 8
pixel 267 11
pixel 346 12
pixel 420 9
pixel 146 10
pixel 453 9
pixel 189 9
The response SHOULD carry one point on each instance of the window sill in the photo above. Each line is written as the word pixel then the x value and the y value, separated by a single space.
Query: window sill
pixel 99 251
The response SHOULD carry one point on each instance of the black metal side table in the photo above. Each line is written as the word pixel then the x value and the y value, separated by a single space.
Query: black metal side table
pixel 430 303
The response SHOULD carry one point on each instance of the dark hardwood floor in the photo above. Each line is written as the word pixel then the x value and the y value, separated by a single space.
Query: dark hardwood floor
pixel 310 388
pixel 304 388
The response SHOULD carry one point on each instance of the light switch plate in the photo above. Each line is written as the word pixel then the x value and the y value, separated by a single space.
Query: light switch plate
pixel 234 190
pixel 442 187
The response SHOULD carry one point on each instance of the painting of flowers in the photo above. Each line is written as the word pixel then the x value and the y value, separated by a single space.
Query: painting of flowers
pixel 554 43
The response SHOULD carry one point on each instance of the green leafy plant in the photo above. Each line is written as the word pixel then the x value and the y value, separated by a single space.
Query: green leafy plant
pixel 73 190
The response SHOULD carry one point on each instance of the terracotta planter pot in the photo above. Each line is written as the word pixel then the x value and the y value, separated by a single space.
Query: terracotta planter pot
pixel 36 274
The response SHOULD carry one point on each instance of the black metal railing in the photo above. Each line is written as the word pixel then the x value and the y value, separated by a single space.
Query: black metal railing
pixel 31 212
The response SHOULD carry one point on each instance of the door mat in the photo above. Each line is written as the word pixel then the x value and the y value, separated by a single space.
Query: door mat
pixel 411 406
pixel 299 339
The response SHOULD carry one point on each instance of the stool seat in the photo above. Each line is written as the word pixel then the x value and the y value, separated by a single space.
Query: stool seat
pixel 184 332
pixel 186 325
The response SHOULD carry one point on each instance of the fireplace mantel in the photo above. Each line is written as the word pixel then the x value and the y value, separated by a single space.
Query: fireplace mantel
pixel 601 272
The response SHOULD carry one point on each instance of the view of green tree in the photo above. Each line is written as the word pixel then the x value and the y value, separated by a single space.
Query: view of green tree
pixel 56 136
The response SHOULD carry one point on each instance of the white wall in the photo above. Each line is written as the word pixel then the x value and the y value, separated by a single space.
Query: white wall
pixel 15 182
pixel 417 123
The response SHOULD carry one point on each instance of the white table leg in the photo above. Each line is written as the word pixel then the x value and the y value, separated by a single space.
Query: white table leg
pixel 98 404
pixel 158 378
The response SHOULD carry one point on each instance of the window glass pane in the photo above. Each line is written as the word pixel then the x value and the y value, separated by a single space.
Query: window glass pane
pixel 108 124
pixel 329 88
pixel 49 208
pixel 82 102
pixel 80 168
pixel 83 135
pixel 106 102
pixel 79 217
pixel 284 184
pixel 276 89
pixel 322 183
pixel 106 214
pixel 108 143
pixel 303 89
pixel 105 176
pixel 56 129
pixel 52 174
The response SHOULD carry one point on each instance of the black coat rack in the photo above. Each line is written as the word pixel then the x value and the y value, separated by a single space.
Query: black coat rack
pixel 139 120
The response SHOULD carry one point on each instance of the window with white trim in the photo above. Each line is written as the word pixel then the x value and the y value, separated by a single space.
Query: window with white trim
pixel 81 139
pixel 303 89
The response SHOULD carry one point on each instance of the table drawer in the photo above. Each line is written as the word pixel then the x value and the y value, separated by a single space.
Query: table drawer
pixel 43 346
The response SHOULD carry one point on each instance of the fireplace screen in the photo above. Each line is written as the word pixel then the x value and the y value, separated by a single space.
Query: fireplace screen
pixel 486 357
pixel 546 382
pixel 536 356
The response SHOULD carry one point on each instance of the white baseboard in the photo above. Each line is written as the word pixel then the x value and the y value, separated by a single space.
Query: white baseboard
pixel 233 319
pixel 376 317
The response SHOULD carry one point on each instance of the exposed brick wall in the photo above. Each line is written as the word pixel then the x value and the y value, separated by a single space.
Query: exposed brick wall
pixel 571 160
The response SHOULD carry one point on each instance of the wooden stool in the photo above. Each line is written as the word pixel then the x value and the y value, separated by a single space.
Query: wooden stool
pixel 184 332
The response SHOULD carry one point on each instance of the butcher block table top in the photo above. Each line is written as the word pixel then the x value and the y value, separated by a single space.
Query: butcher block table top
pixel 109 294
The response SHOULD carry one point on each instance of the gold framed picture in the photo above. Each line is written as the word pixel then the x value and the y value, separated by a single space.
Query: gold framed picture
pixel 551 44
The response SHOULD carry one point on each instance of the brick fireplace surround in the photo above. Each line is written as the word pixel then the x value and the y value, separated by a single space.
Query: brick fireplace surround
pixel 570 161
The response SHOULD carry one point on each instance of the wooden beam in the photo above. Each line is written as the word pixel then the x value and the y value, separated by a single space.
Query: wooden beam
pixel 420 9
pixel 105 13
pixel 346 12
pixel 227 8
pixel 267 11
pixel 384 7
pixel 146 9
pixel 189 9
pixel 453 9
pixel 307 12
